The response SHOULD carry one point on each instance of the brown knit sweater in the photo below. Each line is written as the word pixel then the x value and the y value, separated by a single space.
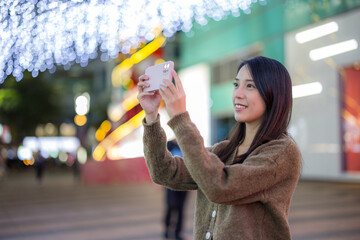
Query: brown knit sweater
pixel 234 201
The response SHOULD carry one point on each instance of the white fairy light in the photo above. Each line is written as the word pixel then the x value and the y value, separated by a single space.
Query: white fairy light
pixel 39 35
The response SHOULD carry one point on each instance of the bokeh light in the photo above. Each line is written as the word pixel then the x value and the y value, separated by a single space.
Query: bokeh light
pixel 81 155
pixel 24 153
pixel 82 104
pixel 80 120
pixel 41 35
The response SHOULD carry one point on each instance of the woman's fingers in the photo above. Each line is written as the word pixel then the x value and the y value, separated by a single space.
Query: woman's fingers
pixel 142 94
pixel 169 90
pixel 143 77
pixel 165 92
pixel 142 83
pixel 177 81
pixel 170 86
pixel 174 96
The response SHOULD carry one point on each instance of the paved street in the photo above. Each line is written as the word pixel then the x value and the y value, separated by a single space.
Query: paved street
pixel 61 208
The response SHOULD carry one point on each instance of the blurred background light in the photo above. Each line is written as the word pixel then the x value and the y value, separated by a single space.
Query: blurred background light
pixel 39 131
pixel 80 120
pixel 63 157
pixel 332 50
pixel 82 104
pixel 51 144
pixel 120 72
pixel 104 128
pixel 5 135
pixel 24 153
pixel 11 154
pixel 307 89
pixel 67 129
pixel 116 135
pixel 41 34
pixel 81 155
pixel 50 129
pixel 316 32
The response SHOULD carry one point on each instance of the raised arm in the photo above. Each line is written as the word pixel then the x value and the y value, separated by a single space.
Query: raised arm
pixel 273 163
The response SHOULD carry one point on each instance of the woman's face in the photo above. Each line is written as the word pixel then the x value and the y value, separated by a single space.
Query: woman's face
pixel 248 104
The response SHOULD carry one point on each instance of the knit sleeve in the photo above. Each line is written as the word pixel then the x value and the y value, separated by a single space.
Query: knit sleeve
pixel 164 169
pixel 268 166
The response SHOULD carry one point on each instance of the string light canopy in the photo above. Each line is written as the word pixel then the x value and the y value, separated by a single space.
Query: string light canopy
pixel 40 35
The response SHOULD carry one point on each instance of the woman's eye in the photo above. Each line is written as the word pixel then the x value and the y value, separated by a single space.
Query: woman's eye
pixel 236 84
pixel 250 85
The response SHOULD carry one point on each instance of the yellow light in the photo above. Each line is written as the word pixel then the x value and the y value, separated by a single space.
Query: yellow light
pixel 157 31
pixel 105 125
pixel 158 61
pixel 128 83
pixel 137 119
pixel 119 71
pixel 29 162
pixel 130 101
pixel 119 133
pixel 98 153
pixel 127 127
pixel 80 120
pixel 124 66
pixel 100 135
pixel 103 130
pixel 148 49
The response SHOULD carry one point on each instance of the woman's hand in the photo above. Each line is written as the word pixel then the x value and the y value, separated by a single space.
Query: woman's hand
pixel 174 97
pixel 149 101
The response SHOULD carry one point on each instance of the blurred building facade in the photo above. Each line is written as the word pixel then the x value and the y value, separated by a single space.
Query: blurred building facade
pixel 325 121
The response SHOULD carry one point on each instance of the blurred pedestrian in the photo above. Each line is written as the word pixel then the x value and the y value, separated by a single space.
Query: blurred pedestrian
pixel 2 169
pixel 245 183
pixel 72 159
pixel 175 201
pixel 39 166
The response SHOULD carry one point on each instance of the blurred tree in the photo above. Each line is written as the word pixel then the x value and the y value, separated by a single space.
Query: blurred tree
pixel 25 104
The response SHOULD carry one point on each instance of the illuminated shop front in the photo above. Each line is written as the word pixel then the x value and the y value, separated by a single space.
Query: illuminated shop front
pixel 326 123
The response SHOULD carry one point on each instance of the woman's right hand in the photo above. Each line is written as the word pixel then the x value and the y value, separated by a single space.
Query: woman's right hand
pixel 149 101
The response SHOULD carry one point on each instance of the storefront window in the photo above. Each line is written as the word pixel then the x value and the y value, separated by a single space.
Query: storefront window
pixel 323 59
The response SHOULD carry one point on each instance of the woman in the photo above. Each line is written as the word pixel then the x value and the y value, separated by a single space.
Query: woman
pixel 244 184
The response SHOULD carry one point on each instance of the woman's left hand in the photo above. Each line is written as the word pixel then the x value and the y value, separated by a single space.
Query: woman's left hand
pixel 174 96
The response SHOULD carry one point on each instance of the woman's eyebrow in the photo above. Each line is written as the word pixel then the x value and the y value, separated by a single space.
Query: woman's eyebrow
pixel 246 80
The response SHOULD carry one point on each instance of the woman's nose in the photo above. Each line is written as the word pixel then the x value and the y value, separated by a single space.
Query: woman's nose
pixel 239 92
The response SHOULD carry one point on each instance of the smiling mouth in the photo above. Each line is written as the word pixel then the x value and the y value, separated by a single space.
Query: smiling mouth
pixel 238 106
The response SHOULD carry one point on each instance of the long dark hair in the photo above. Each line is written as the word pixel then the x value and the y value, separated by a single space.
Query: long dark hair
pixel 274 85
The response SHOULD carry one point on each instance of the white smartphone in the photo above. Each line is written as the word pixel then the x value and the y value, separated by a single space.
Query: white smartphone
pixel 157 74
